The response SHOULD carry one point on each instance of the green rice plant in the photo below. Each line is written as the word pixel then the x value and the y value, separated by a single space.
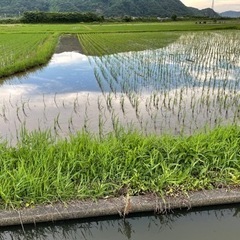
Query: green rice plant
pixel 185 80
pixel 20 52
pixel 102 44
pixel 37 42
pixel 116 27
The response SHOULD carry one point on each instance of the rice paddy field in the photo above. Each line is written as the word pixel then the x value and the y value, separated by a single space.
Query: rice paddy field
pixel 155 108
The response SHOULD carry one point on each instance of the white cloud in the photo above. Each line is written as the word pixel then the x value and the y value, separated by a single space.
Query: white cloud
pixel 11 91
pixel 67 58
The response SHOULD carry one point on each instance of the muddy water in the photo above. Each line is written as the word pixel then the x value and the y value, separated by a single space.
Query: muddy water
pixel 189 85
pixel 219 223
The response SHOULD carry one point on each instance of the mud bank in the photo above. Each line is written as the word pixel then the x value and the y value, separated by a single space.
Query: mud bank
pixel 68 43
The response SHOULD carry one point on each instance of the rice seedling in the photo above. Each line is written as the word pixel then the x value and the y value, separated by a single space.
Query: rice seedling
pixel 186 77
pixel 102 44
pixel 23 51
pixel 37 42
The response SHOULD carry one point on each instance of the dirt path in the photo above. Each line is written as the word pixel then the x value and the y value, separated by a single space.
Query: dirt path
pixel 68 43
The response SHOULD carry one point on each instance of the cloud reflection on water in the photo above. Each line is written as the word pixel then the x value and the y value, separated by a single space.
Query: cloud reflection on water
pixel 67 58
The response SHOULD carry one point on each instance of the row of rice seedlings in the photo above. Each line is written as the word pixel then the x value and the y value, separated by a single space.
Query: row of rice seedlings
pixel 100 44
pixel 22 51
pixel 67 114
pixel 183 80
pixel 91 46
pixel 63 114
pixel 148 113
pixel 104 73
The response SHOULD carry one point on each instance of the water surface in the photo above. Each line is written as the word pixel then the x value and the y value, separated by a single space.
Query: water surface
pixel 190 85
pixel 210 223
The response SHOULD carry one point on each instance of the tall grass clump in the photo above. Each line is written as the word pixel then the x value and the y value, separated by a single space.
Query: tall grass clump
pixel 43 169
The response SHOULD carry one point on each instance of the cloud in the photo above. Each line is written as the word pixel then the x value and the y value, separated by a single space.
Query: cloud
pixel 67 58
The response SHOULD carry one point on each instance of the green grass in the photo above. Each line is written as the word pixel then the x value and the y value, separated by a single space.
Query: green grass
pixel 168 26
pixel 41 169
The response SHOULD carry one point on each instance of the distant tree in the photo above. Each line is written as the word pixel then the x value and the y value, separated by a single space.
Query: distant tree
pixel 127 18
pixel 60 17
pixel 174 17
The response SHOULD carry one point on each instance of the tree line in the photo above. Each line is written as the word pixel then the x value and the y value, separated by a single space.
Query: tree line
pixel 60 17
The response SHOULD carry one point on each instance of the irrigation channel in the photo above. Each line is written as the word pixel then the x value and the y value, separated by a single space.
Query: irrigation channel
pixel 215 223
pixel 187 86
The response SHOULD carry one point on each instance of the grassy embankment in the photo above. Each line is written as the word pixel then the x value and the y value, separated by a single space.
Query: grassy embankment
pixel 41 169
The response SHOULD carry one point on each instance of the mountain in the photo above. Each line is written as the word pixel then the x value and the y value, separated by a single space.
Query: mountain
pixel 160 8
pixel 230 14
pixel 207 12
pixel 17 7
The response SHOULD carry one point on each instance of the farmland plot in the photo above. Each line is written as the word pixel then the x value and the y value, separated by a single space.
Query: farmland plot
pixel 22 51
pixel 190 85
pixel 187 86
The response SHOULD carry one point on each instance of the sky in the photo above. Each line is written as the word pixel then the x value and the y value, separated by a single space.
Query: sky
pixel 219 5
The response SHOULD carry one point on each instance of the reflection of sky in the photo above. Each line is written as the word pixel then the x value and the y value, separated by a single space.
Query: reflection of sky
pixel 173 67
pixel 66 72
pixel 67 58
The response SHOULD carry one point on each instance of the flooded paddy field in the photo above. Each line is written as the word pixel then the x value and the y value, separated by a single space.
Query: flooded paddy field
pixel 208 223
pixel 190 85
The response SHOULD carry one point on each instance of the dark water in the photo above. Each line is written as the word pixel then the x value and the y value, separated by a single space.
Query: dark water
pixel 218 223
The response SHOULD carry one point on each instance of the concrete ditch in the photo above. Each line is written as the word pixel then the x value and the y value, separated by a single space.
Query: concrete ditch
pixel 117 206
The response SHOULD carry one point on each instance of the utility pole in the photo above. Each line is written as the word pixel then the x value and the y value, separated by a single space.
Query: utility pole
pixel 213 5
